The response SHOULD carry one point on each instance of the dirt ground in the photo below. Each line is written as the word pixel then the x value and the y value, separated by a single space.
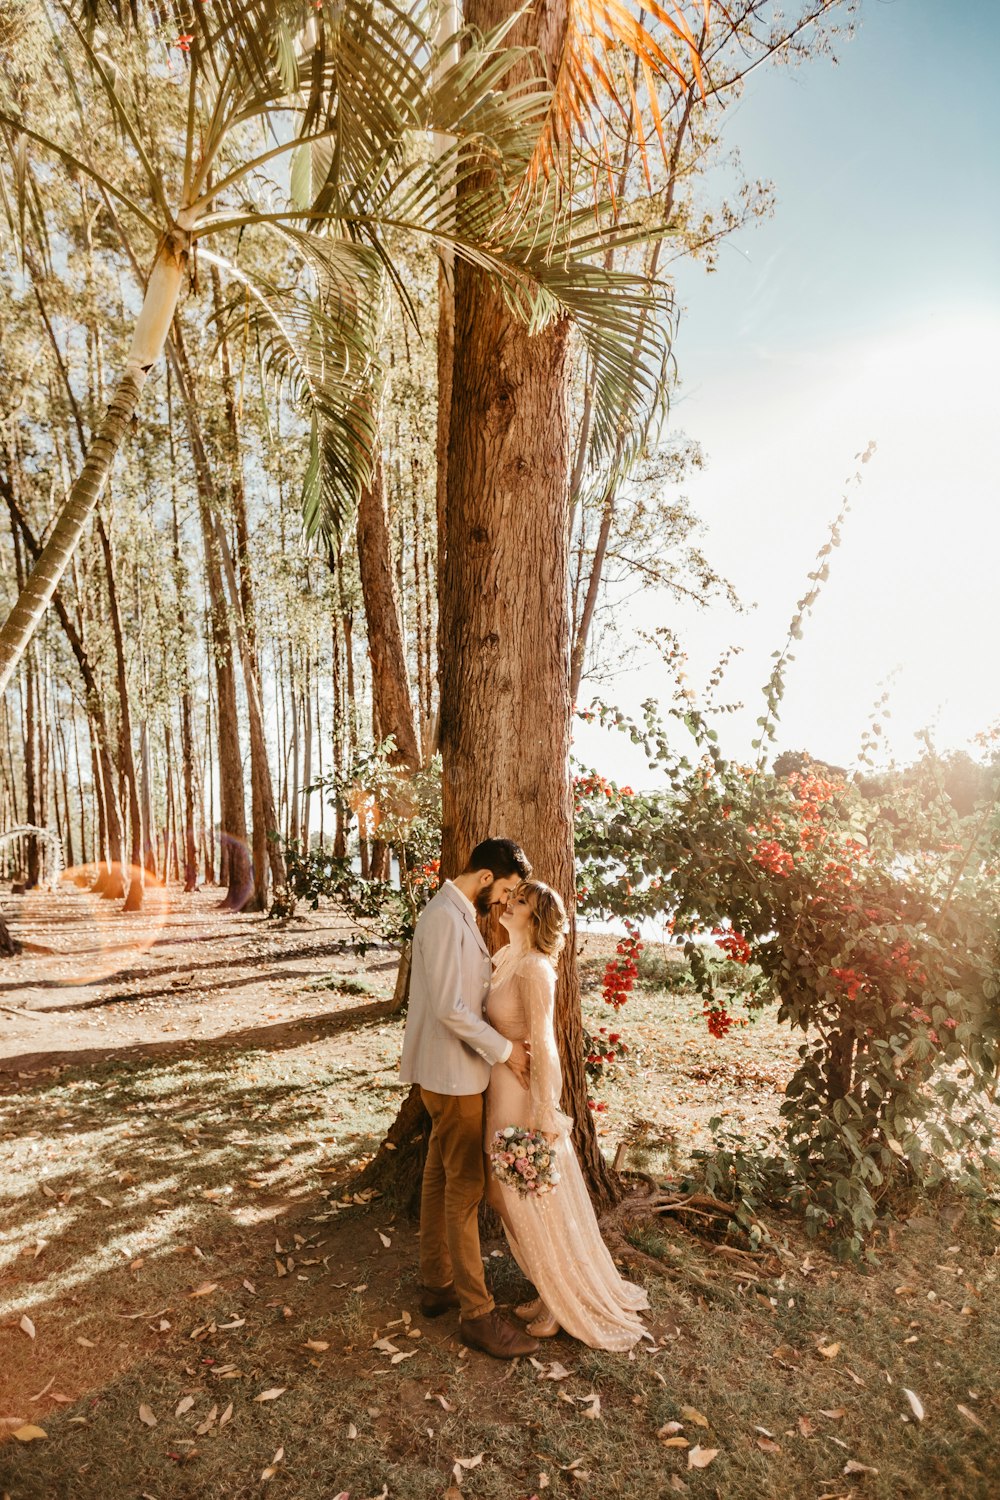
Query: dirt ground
pixel 192 1306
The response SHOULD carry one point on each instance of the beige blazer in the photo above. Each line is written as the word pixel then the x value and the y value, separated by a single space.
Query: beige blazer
pixel 448 1047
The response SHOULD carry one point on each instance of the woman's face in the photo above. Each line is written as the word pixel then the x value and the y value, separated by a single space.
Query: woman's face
pixel 516 916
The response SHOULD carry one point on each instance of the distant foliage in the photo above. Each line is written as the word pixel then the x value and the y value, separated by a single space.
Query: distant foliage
pixel 402 809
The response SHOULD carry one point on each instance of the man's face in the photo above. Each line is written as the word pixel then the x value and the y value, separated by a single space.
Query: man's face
pixel 495 893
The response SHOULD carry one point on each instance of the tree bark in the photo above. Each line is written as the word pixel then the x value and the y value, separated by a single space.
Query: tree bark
pixel 133 896
pixel 504 613
pixel 234 856
pixel 391 703
pixel 267 855
pixel 505 704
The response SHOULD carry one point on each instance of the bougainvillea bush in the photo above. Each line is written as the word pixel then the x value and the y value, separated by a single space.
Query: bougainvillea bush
pixel 870 924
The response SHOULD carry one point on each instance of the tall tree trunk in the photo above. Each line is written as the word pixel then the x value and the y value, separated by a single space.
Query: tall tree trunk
pixel 187 735
pixel 266 850
pixel 33 866
pixel 505 705
pixel 234 856
pixel 391 703
pixel 146 801
pixel 502 558
pixel 187 763
pixel 133 897
pixel 307 739
pixel 267 856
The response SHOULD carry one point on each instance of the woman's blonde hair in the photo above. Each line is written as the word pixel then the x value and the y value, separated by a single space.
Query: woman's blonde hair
pixel 548 917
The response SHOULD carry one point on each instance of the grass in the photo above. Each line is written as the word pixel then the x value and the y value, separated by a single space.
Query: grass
pixel 149 1203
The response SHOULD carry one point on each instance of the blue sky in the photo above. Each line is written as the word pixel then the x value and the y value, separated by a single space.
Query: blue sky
pixel 867 308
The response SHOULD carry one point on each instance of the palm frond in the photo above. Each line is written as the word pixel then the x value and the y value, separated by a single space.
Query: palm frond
pixel 591 87
pixel 317 342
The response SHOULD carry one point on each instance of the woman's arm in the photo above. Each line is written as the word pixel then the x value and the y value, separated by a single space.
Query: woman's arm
pixel 538 982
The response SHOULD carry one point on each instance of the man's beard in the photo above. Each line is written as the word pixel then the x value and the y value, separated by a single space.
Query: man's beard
pixel 484 901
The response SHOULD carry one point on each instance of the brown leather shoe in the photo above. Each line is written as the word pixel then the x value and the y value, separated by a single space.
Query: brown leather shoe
pixel 494 1335
pixel 435 1300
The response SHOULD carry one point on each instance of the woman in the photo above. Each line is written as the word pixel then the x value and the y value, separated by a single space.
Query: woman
pixel 555 1238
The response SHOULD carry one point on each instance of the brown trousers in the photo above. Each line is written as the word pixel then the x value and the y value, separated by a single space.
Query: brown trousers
pixel 454 1180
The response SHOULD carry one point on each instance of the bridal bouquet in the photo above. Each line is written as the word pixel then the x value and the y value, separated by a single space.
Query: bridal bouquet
pixel 524 1160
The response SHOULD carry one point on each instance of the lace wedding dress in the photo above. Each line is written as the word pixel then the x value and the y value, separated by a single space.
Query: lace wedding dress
pixel 555 1239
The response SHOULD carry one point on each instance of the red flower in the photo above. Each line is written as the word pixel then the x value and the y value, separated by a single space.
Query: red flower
pixel 733 944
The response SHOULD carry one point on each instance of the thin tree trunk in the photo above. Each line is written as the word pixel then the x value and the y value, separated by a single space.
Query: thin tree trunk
pixel 133 897
pixel 67 836
pixel 146 802
pixel 391 703
pixel 236 856
pixel 267 856
pixel 307 739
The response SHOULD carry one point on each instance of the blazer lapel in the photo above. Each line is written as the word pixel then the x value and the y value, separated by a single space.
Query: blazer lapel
pixel 469 918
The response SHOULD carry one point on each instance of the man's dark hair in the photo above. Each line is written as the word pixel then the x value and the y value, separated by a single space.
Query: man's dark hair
pixel 501 856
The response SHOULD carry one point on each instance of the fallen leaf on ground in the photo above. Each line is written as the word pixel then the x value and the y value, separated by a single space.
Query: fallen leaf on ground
pixel 444 1402
pixel 226 1415
pixel 272 1467
pixel 692 1414
pixel 27 1326
pixel 676 1442
pixel 183 1405
pixel 916 1405
pixel 555 1371
pixel 399 1356
pixel 700 1458
pixel 834 1413
pixel 828 1351
pixel 768 1445
pixel 272 1394
pixel 465 1463
pixel 146 1415
pixel 970 1416
pixel 384 1238
pixel 44 1388
pixel 668 1429
pixel 208 1423
pixel 318 1344
pixel 592 1405
pixel 352 1431
pixel 87 1343
pixel 853 1467
pixel 204 1289
pixel 29 1433
pixel 806 1427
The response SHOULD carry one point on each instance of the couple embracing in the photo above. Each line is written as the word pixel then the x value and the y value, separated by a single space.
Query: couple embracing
pixel 480 1042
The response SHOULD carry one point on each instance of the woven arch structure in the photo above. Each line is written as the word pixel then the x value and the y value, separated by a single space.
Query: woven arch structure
pixel 52 856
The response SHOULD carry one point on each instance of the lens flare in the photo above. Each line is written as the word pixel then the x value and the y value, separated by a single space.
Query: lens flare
pixel 90 934
pixel 240 875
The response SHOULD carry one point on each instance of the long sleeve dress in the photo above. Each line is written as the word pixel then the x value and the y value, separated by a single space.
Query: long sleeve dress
pixel 555 1239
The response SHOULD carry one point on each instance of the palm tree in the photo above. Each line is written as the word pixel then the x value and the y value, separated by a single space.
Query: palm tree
pixel 302 120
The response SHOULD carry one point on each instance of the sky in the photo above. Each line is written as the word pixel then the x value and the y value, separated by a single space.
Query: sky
pixel 867 308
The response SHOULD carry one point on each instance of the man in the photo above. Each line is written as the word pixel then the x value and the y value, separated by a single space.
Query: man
pixel 449 1049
